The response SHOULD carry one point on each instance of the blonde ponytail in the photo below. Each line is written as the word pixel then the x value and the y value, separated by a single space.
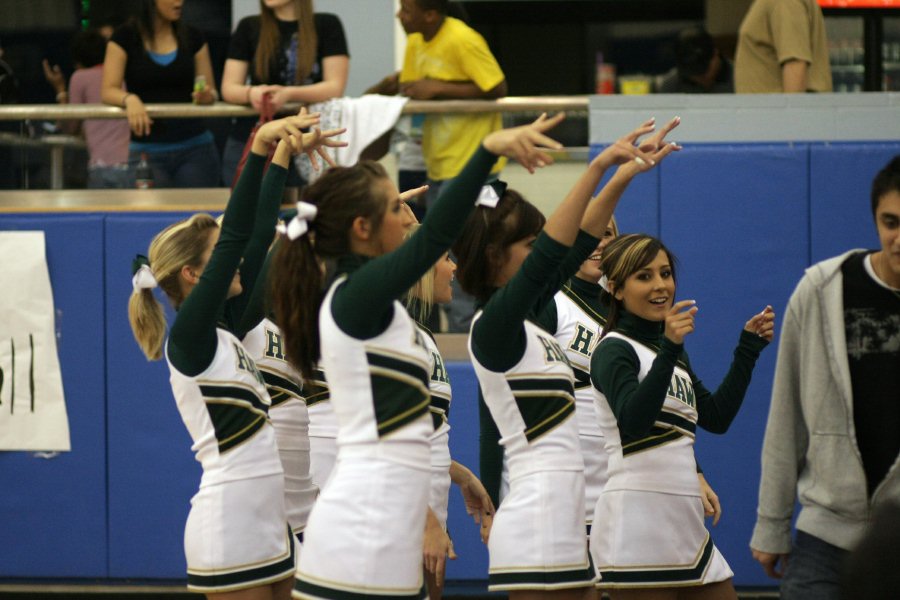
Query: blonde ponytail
pixel 180 244
pixel 148 322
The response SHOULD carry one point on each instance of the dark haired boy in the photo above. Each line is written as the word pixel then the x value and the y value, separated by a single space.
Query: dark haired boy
pixel 833 434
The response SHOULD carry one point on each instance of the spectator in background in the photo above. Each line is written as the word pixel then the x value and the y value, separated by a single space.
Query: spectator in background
pixel 782 48
pixel 286 55
pixel 446 59
pixel 162 59
pixel 107 139
pixel 833 434
pixel 699 67
pixel 405 140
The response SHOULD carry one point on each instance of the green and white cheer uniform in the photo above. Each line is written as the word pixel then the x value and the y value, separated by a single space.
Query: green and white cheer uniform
pixel 649 403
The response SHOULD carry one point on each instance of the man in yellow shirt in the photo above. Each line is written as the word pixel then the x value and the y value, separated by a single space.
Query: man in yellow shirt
pixel 448 60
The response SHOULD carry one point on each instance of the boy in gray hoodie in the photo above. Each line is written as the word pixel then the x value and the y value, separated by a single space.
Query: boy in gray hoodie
pixel 833 433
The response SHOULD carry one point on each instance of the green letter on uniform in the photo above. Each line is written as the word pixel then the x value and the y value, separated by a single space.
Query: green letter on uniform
pixel 582 341
pixel 439 373
pixel 274 345
pixel 554 352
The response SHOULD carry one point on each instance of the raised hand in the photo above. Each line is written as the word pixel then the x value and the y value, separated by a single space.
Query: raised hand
pixel 54 76
pixel 408 195
pixel 624 149
pixel 680 322
pixel 656 142
pixel 284 129
pixel 525 144
pixel 638 156
pixel 762 324
pixel 413 193
pixel 316 141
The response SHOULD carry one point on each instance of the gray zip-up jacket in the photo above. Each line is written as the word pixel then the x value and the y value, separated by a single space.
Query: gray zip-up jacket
pixel 810 447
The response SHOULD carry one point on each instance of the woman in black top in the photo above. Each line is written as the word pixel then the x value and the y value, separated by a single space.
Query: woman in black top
pixel 159 59
pixel 287 53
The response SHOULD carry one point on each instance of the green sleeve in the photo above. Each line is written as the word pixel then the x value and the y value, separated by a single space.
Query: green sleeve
pixel 259 303
pixel 584 244
pixel 498 337
pixel 614 373
pixel 490 456
pixel 363 306
pixel 548 318
pixel 716 411
pixel 192 338
pixel 254 267
pixel 252 277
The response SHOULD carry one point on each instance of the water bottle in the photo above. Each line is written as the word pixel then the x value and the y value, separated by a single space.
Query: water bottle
pixel 143 175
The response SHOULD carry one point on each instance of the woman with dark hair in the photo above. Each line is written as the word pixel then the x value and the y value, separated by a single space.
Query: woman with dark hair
pixel 649 403
pixel 287 53
pixel 160 59
pixel 365 533
pixel 513 263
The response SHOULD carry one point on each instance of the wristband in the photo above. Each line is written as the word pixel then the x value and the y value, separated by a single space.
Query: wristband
pixel 125 97
pixel 249 89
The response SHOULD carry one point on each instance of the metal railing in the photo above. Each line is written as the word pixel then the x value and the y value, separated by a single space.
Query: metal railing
pixel 56 144
pixel 25 112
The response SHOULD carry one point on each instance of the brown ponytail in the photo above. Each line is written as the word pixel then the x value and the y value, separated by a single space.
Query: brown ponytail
pixel 297 272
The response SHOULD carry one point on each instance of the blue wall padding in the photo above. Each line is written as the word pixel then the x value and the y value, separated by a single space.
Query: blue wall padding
pixel 152 472
pixel 744 220
pixel 54 510
pixel 841 183
pixel 472 553
pixel 737 221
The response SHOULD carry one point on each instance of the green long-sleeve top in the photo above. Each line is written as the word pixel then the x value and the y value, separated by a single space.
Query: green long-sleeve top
pixel 499 339
pixel 248 309
pixel 584 293
pixel 363 305
pixel 593 299
pixel 615 367
pixel 192 337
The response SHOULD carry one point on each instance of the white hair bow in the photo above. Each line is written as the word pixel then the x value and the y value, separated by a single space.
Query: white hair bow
pixel 299 225
pixel 143 279
pixel 604 283
pixel 488 197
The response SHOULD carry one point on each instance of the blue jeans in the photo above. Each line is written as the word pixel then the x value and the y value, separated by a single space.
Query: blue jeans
pixel 113 177
pixel 192 167
pixel 813 571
